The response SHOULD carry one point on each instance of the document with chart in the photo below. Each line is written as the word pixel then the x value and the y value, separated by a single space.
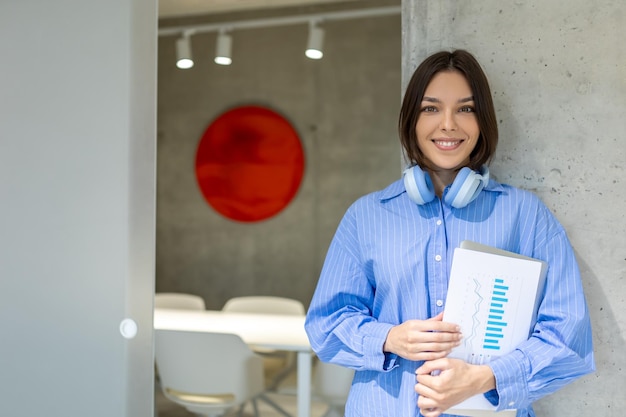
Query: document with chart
pixel 493 295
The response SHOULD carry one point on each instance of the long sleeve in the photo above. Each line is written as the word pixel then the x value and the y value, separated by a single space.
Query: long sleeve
pixel 340 324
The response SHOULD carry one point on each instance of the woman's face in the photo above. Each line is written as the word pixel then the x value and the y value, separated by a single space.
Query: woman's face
pixel 447 129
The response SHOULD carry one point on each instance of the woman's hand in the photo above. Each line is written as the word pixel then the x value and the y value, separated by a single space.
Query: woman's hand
pixel 423 340
pixel 455 382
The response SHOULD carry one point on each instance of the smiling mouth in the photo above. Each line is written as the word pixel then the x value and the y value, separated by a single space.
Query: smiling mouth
pixel 447 143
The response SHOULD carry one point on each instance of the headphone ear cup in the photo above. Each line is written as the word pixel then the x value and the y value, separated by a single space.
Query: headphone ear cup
pixel 418 185
pixel 466 186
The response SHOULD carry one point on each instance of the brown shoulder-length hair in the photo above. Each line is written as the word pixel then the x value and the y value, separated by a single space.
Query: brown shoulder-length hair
pixel 464 63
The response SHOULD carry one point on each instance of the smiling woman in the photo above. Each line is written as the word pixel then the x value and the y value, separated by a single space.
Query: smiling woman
pixel 378 306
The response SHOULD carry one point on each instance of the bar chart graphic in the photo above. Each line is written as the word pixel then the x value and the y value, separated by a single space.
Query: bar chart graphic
pixel 495 319
pixel 493 297
pixel 486 329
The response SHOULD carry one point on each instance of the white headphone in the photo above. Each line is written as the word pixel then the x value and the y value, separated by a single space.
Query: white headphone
pixel 465 188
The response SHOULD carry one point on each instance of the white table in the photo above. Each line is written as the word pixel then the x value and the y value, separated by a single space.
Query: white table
pixel 262 330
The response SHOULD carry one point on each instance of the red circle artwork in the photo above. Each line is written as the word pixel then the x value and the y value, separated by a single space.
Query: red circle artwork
pixel 249 163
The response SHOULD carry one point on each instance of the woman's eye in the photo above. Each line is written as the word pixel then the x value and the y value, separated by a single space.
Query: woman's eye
pixel 429 109
pixel 466 109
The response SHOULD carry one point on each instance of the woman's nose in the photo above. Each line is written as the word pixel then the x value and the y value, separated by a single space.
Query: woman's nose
pixel 448 121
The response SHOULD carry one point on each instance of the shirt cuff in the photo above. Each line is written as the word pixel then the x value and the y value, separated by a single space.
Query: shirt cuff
pixel 492 396
pixel 511 373
pixel 373 344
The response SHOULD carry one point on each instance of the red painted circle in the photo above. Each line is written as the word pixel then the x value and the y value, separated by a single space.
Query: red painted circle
pixel 249 163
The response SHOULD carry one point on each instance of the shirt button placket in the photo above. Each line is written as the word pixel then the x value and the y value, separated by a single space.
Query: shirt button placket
pixel 436 291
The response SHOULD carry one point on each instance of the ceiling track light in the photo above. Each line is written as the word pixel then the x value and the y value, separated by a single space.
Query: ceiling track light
pixel 316 40
pixel 184 59
pixel 223 48
pixel 224 40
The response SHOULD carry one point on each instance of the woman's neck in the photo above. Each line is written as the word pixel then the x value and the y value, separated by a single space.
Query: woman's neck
pixel 441 178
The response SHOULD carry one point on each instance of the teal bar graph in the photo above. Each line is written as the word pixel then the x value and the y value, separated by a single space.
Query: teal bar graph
pixel 495 322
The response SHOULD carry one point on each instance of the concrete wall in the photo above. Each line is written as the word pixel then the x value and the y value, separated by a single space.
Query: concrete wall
pixel 558 75
pixel 345 109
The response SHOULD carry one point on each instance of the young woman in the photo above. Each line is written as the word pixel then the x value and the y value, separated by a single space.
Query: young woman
pixel 380 298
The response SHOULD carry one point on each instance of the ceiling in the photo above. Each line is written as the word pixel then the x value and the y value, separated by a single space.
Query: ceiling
pixel 182 8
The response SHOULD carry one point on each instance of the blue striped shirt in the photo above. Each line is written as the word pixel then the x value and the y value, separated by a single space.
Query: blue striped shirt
pixel 389 262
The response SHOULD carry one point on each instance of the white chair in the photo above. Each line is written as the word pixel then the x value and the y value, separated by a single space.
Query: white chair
pixel 270 305
pixel 209 374
pixel 265 304
pixel 179 300
pixel 331 384
pixel 278 364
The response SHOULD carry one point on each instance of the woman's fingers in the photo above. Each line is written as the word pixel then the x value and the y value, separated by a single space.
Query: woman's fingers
pixel 427 356
pixel 422 340
pixel 427 406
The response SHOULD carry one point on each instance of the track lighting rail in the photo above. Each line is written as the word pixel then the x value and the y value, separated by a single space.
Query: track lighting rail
pixel 279 21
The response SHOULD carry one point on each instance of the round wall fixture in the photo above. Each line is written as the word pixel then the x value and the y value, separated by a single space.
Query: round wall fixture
pixel 249 163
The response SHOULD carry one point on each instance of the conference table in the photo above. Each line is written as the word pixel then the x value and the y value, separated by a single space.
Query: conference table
pixel 270 331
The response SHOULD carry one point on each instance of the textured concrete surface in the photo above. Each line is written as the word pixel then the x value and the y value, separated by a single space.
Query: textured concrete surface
pixel 344 107
pixel 558 75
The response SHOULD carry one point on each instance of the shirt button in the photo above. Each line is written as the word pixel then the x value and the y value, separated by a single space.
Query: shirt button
pixel 512 403
pixel 437 258
pixel 439 303
pixel 438 222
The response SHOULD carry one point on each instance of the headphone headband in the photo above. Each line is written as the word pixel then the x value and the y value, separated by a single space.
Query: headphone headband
pixel 466 186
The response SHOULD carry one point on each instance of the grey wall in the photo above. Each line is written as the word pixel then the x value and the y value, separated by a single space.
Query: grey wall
pixel 558 75
pixel 344 108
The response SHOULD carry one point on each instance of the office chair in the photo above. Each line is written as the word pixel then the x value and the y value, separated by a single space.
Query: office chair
pixel 278 364
pixel 175 300
pixel 179 300
pixel 209 374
